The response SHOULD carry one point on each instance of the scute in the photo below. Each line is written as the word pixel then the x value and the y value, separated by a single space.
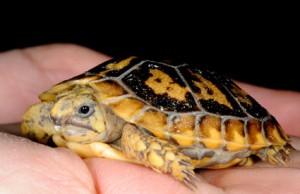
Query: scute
pixel 274 132
pixel 161 86
pixel 211 94
pixel 113 67
pixel 255 136
pixel 234 133
pixel 107 90
pixel 248 103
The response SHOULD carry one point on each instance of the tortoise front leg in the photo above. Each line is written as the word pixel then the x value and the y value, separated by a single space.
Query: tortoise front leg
pixel 157 154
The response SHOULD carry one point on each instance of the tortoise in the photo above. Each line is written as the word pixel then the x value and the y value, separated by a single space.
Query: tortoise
pixel 173 118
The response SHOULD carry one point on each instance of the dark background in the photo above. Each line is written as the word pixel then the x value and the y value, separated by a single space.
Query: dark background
pixel 264 53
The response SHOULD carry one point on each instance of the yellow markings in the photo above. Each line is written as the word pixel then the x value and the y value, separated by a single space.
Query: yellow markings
pixel 117 66
pixel 154 121
pixel 234 135
pixel 155 146
pixel 273 135
pixel 241 95
pixel 203 162
pixel 182 125
pixel 97 122
pixel 246 162
pixel 209 91
pixel 159 134
pixel 133 137
pixel 140 146
pixel 64 87
pixel 210 131
pixel 162 83
pixel 170 156
pixel 255 137
pixel 58 89
pixel 121 64
pixel 106 90
pixel 280 130
pixel 155 159
pixel 183 129
pixel 212 144
pixel 226 165
pixel 168 148
pixel 234 146
pixel 186 139
pixel 46 96
pixel 126 108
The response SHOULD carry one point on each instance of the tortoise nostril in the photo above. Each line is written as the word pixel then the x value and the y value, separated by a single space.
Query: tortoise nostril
pixel 60 119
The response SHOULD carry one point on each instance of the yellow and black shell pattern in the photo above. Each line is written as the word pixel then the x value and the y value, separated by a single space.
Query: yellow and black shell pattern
pixel 184 104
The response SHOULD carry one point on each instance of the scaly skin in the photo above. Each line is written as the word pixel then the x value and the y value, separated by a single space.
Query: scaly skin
pixel 157 154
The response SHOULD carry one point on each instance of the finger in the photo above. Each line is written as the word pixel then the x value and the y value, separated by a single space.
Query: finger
pixel 25 73
pixel 128 178
pixel 120 177
pixel 261 178
pixel 28 167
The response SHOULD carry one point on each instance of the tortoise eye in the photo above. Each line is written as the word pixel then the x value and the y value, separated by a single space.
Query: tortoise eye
pixel 85 111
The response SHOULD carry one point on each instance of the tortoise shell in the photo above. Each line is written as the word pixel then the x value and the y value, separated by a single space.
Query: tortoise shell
pixel 171 118
pixel 183 104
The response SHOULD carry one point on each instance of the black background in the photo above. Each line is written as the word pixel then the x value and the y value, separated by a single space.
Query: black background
pixel 261 51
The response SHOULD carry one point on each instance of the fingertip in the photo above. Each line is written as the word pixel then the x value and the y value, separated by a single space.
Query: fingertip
pixel 112 176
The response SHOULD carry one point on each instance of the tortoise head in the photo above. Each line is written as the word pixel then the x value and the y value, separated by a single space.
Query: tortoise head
pixel 78 117
pixel 74 115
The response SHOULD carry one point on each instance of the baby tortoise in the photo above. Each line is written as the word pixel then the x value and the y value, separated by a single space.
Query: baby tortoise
pixel 171 118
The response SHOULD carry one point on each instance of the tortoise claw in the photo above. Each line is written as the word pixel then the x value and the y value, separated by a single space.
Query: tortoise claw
pixel 185 163
pixel 190 180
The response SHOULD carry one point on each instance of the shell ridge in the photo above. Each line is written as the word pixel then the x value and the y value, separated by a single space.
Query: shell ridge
pixel 131 93
pixel 223 132
pixel 140 113
pixel 246 133
pixel 120 77
pixel 115 99
pixel 263 131
pixel 201 109
pixel 233 97
pixel 125 87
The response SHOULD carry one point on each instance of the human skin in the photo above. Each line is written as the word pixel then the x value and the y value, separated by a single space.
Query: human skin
pixel 29 167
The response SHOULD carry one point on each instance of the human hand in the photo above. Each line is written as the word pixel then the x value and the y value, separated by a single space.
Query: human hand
pixel 29 167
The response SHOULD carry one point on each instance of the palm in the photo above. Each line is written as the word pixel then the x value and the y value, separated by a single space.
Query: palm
pixel 34 168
